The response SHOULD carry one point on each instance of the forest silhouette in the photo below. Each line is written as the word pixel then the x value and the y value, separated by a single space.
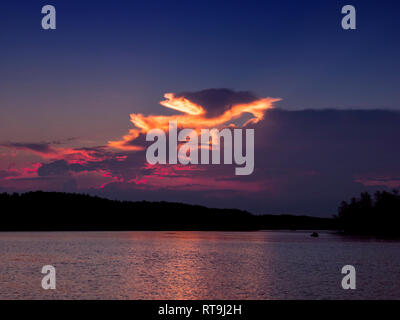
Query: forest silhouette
pixel 55 211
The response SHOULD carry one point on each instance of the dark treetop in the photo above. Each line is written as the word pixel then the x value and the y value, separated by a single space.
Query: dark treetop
pixel 367 215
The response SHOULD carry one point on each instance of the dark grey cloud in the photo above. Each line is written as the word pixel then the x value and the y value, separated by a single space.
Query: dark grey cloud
pixel 307 160
pixel 42 147
pixel 216 101
pixel 130 166
pixel 58 167
pixel 64 141
pixel 7 173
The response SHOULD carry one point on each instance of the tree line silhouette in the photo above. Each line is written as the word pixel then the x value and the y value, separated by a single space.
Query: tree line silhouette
pixel 378 215
pixel 56 211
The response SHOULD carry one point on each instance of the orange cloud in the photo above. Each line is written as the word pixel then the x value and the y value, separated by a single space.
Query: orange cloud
pixel 194 117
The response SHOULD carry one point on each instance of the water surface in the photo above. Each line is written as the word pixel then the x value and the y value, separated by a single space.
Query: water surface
pixel 196 265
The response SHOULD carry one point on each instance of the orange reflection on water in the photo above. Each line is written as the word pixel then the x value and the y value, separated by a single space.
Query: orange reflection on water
pixel 199 265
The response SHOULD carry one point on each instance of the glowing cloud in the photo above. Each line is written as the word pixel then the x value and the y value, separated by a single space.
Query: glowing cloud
pixel 195 116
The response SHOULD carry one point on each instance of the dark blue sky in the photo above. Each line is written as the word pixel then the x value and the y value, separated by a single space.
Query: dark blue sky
pixel 131 52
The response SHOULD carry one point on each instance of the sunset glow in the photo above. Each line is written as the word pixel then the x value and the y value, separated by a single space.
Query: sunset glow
pixel 195 117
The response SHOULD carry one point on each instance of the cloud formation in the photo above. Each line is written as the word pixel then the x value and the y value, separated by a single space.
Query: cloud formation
pixel 306 162
pixel 212 108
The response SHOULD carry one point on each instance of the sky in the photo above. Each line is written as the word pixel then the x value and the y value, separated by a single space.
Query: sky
pixel 67 97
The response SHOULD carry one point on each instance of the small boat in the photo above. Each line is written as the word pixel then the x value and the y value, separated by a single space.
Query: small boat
pixel 314 234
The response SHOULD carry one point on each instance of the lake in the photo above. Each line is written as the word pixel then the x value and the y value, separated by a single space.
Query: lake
pixel 196 265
